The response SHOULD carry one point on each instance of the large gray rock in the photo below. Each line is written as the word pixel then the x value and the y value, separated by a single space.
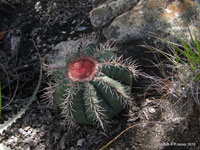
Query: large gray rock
pixel 106 12
pixel 133 25
pixel 144 17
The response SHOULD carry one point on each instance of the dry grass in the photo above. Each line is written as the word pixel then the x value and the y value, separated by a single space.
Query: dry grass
pixel 181 85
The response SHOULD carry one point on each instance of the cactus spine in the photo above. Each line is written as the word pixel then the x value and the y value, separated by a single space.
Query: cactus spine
pixel 91 86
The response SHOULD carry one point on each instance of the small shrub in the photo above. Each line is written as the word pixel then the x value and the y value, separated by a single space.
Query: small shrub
pixel 183 83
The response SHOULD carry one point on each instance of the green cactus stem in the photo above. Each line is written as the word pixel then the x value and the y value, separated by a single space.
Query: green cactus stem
pixel 93 86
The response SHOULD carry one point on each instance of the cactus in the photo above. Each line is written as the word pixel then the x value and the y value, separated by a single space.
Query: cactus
pixel 92 85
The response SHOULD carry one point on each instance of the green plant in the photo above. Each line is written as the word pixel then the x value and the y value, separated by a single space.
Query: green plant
pixel 92 85
pixel 184 80
pixel 191 54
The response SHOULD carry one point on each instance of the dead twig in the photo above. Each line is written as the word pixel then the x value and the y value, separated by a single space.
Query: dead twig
pixel 13 94
pixel 119 135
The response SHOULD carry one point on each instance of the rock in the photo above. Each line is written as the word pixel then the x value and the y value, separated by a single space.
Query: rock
pixel 2 147
pixel 97 2
pixel 146 16
pixel 15 44
pixel 151 110
pixel 106 12
pixel 135 109
pixel 133 119
pixel 62 141
pixel 131 25
pixel 80 142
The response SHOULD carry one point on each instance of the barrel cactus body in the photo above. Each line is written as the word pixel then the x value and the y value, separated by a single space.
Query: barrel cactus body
pixel 91 86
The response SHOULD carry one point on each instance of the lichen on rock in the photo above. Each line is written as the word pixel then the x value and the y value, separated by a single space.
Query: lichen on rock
pixel 135 22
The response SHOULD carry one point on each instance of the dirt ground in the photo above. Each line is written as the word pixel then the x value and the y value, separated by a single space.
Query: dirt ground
pixel 152 122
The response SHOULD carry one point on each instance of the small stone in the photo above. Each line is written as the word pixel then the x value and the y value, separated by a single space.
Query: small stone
pixel 151 110
pixel 62 141
pixel 15 44
pixel 133 119
pixel 63 32
pixel 44 50
pixel 82 28
pixel 80 142
pixel 38 7
pixel 34 57
pixel 27 148
pixel 135 109
pixel 27 128
pixel 3 147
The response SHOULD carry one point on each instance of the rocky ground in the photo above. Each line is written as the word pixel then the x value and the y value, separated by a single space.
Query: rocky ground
pixel 154 122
